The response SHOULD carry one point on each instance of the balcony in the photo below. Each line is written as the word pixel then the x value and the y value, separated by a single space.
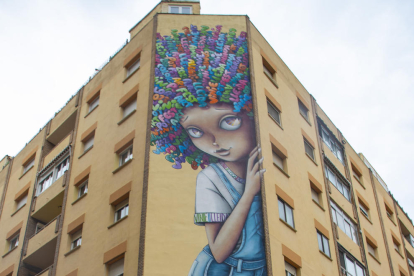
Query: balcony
pixel 41 247
pixel 56 150
pixel 49 203
pixel 63 123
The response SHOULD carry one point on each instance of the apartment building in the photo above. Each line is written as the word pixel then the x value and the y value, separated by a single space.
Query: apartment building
pixel 154 146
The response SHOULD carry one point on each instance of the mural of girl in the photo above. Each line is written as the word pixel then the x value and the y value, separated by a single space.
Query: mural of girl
pixel 202 115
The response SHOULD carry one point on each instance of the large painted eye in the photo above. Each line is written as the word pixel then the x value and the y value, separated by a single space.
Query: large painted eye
pixel 195 132
pixel 231 123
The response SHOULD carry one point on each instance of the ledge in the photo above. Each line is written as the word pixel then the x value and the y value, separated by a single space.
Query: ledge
pixel 375 258
pixel 272 80
pixel 306 119
pixel 133 73
pixel 123 165
pixel 285 173
pixel 8 252
pixel 126 117
pixel 91 111
pixel 79 198
pixel 285 223
pixel 399 253
pixel 317 203
pixel 367 218
pixel 18 209
pixel 275 121
pixel 359 182
pixel 311 159
pixel 26 172
pixel 72 250
pixel 116 222
pixel 323 253
pixel 85 152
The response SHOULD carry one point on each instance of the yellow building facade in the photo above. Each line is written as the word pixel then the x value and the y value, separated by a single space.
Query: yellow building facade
pixel 121 180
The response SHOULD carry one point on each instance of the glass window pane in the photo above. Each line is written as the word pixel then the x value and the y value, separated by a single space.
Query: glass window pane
pixel 315 195
pixel 320 241
pixel 130 107
pixel 289 216
pixel 282 211
pixel 309 150
pixel 174 9
pixel 326 246
pixel 186 10
pixel 273 112
pixel 277 160
pixel 350 266
pixel 359 271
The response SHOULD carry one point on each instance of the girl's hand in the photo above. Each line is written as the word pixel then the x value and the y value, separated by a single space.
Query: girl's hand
pixel 253 173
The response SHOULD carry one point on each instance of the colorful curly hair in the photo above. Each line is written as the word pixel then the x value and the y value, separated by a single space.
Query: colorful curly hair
pixel 196 67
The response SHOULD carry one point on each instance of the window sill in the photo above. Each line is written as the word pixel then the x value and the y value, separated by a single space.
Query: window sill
pixel 367 218
pixel 399 253
pixel 18 209
pixel 126 117
pixel 323 253
pixel 280 169
pixel 10 251
pixel 272 80
pixel 26 172
pixel 133 73
pixel 317 203
pixel 79 198
pixel 275 121
pixel 72 250
pixel 285 223
pixel 375 258
pixel 359 182
pixel 306 119
pixel 91 111
pixel 116 222
pixel 311 159
pixel 85 152
pixel 122 166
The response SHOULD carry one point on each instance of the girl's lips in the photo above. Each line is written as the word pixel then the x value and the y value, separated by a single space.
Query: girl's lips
pixel 223 152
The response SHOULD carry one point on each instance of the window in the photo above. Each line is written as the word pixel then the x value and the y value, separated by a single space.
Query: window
pixel 277 160
pixel 356 174
pixel 389 212
pixel 134 67
pixel 21 202
pixel 274 113
pixel 93 104
pixel 121 210
pixel 332 143
pixel 315 195
pixel 371 250
pixel 129 108
pixel 14 242
pixel 286 213
pixel 290 269
pixel 116 268
pixel 62 168
pixel 125 156
pixel 83 189
pixel 349 265
pixel 303 110
pixel 88 143
pixel 52 175
pixel 410 263
pixel 364 209
pixel 29 165
pixel 410 239
pixel 180 9
pixel 310 151
pixel 323 243
pixel 397 245
pixel 340 185
pixel 76 239
pixel 344 222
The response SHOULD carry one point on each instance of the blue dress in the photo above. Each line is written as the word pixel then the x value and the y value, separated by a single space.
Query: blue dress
pixel 249 259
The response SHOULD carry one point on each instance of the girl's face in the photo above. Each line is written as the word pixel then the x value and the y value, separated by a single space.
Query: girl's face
pixel 219 131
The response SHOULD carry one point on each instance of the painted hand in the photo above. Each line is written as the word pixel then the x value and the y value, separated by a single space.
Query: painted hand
pixel 253 173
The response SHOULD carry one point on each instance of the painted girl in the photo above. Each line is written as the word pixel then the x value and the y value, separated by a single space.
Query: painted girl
pixel 202 115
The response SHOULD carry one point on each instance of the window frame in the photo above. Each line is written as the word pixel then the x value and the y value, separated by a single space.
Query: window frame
pixel 303 109
pixel 20 203
pixel 125 152
pixel 363 209
pixel 81 191
pixel 277 120
pixel 285 213
pixel 109 266
pixel 29 165
pixel 14 241
pixel 53 173
pixel 338 213
pixel 288 267
pixel 180 8
pixel 339 184
pixel 306 143
pixel 332 143
pixel 322 242
pixel 133 103
pixel 86 145
pixel 123 206
pixel 76 239
pixel 345 259
pixel 93 104
pixel 131 69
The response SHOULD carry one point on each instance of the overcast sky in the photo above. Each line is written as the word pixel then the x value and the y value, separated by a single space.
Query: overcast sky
pixel 355 57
